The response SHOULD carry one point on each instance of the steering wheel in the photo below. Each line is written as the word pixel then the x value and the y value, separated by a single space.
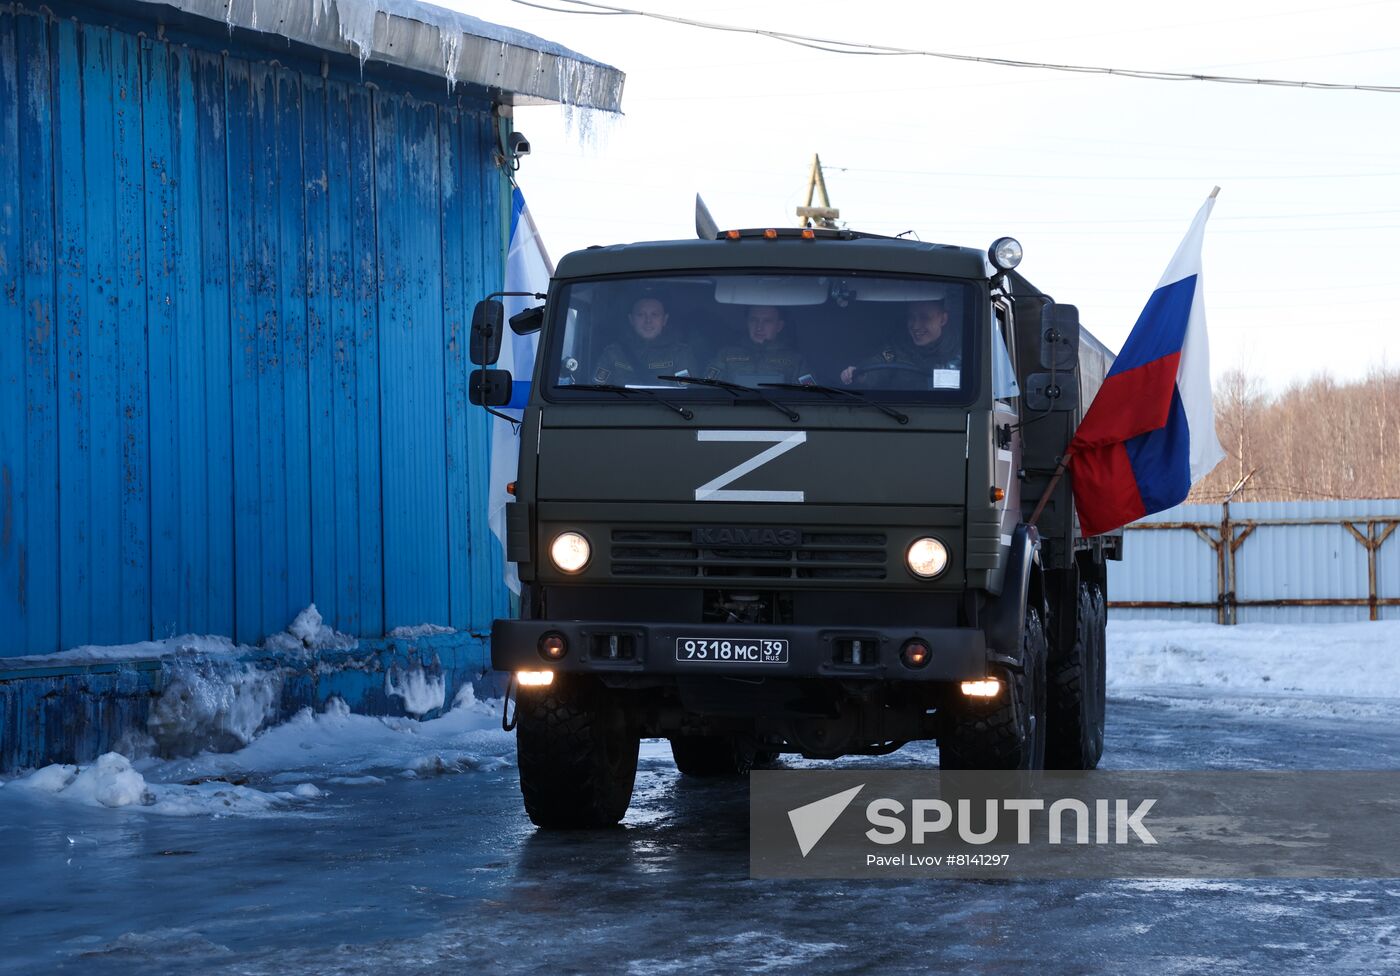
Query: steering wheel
pixel 886 367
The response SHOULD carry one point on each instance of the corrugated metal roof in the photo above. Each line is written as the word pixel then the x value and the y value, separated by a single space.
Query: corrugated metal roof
pixel 446 43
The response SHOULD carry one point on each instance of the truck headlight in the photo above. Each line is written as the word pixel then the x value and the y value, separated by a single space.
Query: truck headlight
pixel 926 557
pixel 570 552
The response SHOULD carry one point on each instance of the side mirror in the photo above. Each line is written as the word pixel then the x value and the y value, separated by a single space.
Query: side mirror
pixel 490 387
pixel 1059 337
pixel 528 322
pixel 487 319
pixel 1042 395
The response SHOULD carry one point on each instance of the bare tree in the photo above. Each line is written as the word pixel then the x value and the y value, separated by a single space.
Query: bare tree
pixel 1317 439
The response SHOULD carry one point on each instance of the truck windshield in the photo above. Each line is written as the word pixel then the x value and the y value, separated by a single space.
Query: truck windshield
pixel 886 337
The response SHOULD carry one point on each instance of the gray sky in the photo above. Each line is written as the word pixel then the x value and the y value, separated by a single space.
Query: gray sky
pixel 1098 177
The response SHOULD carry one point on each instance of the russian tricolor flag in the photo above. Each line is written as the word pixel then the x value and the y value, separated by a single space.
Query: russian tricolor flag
pixel 528 268
pixel 1150 434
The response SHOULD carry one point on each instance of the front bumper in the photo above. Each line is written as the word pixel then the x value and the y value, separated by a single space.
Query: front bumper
pixel 812 652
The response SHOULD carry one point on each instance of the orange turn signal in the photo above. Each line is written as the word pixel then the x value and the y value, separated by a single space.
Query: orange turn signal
pixel 733 235
pixel 771 234
pixel 997 494
pixel 809 235
pixel 510 488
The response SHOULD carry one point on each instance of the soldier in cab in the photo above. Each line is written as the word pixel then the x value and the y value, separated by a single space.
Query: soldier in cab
pixel 649 348
pixel 764 355
pixel 926 347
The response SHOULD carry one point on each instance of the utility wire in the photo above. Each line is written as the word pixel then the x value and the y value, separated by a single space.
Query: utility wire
pixel 881 50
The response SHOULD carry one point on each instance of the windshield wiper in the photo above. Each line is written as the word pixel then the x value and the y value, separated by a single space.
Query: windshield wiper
pixel 837 391
pixel 734 390
pixel 628 391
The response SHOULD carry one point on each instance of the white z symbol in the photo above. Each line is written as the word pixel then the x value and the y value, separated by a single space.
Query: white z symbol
pixel 714 491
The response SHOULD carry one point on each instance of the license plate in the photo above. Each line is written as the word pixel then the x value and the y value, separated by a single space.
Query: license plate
pixel 732 650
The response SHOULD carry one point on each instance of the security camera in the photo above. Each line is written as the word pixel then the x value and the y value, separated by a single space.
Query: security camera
pixel 519 145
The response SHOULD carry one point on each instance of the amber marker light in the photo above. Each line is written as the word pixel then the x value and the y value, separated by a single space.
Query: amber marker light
pixel 510 488
pixel 534 679
pixel 997 494
pixel 915 654
pixel 809 235
pixel 771 234
pixel 985 688
pixel 553 646
pixel 733 235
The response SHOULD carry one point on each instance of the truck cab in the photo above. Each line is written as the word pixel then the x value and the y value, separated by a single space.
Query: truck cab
pixel 774 497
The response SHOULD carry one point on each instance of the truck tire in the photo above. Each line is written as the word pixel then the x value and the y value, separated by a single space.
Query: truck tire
pixel 577 758
pixel 1076 692
pixel 1009 731
pixel 711 756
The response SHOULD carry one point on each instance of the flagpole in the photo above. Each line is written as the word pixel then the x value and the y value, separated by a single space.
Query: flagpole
pixel 1049 489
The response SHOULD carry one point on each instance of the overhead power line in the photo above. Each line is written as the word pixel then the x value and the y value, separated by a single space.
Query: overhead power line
pixel 883 50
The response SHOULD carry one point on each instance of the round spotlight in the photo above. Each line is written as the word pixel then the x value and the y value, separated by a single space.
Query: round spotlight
pixel 553 646
pixel 570 552
pixel 915 654
pixel 1005 253
pixel 927 557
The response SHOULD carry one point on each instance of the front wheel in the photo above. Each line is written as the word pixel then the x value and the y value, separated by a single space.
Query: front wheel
pixel 577 756
pixel 1007 732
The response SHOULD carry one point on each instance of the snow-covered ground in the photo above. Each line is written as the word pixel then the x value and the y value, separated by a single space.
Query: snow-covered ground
pixel 1326 670
pixel 1347 670
pixel 336 842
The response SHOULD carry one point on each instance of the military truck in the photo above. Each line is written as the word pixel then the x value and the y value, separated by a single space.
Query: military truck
pixel 812 540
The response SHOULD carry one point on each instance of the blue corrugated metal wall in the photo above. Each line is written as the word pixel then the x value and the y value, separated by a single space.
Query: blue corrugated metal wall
pixel 232 339
pixel 1294 561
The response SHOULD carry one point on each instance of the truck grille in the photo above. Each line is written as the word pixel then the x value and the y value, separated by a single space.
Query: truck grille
pixel 673 554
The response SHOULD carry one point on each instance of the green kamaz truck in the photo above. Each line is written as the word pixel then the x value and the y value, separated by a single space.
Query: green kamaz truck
pixel 774 497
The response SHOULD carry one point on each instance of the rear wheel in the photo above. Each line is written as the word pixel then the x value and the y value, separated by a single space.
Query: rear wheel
pixel 1076 690
pixel 1007 732
pixel 577 757
pixel 712 755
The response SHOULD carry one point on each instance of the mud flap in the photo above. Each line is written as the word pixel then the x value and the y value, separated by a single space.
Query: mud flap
pixel 1005 615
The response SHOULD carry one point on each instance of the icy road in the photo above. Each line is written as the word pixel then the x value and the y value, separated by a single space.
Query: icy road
pixel 342 844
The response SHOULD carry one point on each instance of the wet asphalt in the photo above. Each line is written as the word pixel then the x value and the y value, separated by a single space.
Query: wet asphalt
pixel 445 874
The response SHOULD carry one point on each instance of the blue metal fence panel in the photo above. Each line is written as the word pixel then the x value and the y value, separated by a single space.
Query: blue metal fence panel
pixel 232 343
pixel 1274 562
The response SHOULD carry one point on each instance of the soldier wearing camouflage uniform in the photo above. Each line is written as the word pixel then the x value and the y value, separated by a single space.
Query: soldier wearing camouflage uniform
pixel 926 346
pixel 648 352
pixel 765 357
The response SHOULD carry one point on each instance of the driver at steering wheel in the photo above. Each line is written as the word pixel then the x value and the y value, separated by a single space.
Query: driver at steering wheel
pixel 926 347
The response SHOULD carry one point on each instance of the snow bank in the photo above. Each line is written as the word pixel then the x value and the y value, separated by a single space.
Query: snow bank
pixel 308 632
pixel 420 692
pixel 112 782
pixel 336 744
pixel 186 644
pixel 286 768
pixel 213 704
pixel 1346 660
pixel 422 630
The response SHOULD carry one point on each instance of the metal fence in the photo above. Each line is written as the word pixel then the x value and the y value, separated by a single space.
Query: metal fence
pixel 1262 562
